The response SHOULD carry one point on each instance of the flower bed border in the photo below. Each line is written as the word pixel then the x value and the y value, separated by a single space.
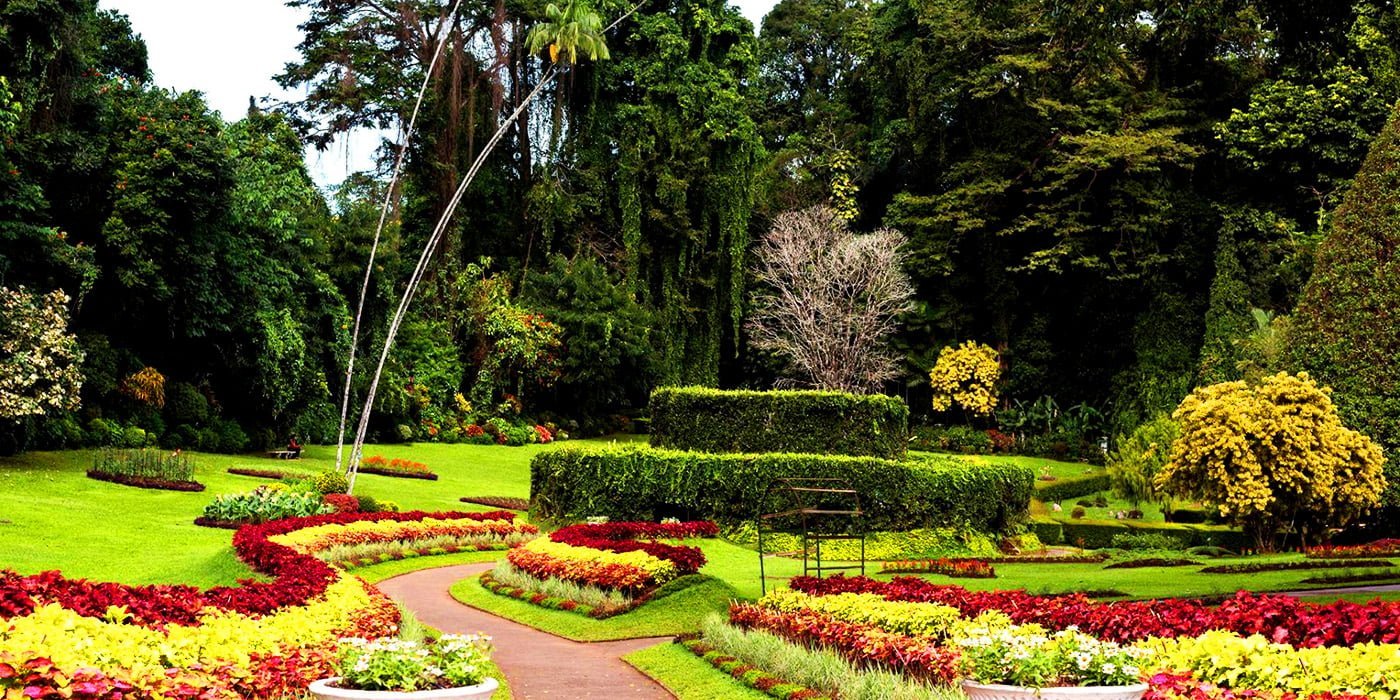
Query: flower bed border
pixel 141 482
pixel 219 524
pixel 1150 562
pixel 296 578
pixel 258 473
pixel 506 502
pixel 490 583
pixel 1281 618
pixel 1304 565
pixel 952 568
pixel 751 676
pixel 397 473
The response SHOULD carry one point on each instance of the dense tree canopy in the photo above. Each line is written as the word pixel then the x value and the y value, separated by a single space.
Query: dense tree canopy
pixel 1120 204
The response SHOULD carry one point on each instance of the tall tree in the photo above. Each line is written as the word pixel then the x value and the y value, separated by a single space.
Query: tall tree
pixel 1344 332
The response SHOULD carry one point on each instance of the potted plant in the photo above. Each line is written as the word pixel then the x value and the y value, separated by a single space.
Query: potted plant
pixel 452 668
pixel 1023 662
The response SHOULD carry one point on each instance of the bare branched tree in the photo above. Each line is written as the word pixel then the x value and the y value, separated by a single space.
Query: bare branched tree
pixel 829 299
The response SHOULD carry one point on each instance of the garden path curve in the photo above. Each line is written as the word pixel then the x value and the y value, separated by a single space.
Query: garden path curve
pixel 537 664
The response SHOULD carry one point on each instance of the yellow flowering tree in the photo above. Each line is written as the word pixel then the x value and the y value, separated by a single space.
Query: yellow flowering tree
pixel 1273 457
pixel 966 376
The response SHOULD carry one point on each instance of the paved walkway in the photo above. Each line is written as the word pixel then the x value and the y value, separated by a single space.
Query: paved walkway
pixel 537 664
pixel 1385 588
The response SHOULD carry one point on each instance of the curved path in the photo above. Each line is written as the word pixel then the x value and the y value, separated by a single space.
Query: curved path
pixel 537 664
pixel 1346 590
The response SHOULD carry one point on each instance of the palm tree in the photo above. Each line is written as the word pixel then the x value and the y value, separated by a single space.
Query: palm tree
pixel 566 32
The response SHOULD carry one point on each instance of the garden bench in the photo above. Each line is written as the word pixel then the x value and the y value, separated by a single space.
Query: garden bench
pixel 284 454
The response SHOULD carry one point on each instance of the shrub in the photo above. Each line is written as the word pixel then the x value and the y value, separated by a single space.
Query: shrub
pixel 133 436
pixel 1147 541
pixel 1077 513
pixel 966 376
pixel 1098 534
pixel 1065 489
pixel 367 504
pixel 1247 450
pixel 817 422
pixel 1139 456
pixel 952 438
pixel 628 482
pixel 104 433
pixel 331 481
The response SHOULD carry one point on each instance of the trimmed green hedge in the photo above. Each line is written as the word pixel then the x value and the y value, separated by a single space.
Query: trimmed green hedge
pixel 629 482
pixel 809 422
pixel 1065 489
pixel 1097 534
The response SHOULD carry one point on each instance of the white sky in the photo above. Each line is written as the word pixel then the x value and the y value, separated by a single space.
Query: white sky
pixel 230 51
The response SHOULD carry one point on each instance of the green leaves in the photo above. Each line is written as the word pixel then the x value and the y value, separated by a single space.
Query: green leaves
pixel 568 32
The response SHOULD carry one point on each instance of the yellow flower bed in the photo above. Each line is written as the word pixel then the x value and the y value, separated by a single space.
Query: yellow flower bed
pixel 73 641
pixel 1230 660
pixel 658 569
pixel 912 619
pixel 319 537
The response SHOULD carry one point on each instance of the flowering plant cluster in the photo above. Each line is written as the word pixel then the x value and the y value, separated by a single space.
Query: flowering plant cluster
pixel 342 502
pixel 545 558
pixel 1281 619
pixel 862 644
pixel 74 638
pixel 1389 547
pixel 377 464
pixel 40 361
pixel 453 661
pixel 641 537
pixel 317 538
pixel 955 568
pixel 754 677
pixel 1026 657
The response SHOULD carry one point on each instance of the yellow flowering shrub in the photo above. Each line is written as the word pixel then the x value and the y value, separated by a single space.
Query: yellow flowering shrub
pixel 966 376
pixel 1230 660
pixel 1273 455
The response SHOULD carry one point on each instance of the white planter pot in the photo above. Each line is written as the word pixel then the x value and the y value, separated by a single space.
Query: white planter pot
pixel 979 691
pixel 326 690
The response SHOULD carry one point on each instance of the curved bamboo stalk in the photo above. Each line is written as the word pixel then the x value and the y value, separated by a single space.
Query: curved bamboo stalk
pixel 404 136
pixel 423 259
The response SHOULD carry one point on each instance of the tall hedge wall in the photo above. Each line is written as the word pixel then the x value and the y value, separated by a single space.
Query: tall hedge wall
pixel 809 422
pixel 630 482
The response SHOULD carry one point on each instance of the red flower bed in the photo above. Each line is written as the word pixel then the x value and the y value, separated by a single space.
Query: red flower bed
pixel 1379 548
pixel 396 467
pixel 1282 619
pixel 632 537
pixel 297 578
pixel 862 644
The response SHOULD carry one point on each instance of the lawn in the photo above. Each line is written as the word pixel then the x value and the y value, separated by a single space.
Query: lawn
pixel 688 676
pixel 53 517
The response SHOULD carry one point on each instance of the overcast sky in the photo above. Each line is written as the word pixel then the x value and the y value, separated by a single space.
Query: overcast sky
pixel 230 51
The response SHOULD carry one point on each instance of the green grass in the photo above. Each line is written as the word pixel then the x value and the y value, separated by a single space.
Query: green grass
pixel 674 614
pixel 1058 469
pixel 53 517
pixel 688 676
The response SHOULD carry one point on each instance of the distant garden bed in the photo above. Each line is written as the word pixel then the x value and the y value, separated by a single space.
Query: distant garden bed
pixel 507 502
pixel 146 469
